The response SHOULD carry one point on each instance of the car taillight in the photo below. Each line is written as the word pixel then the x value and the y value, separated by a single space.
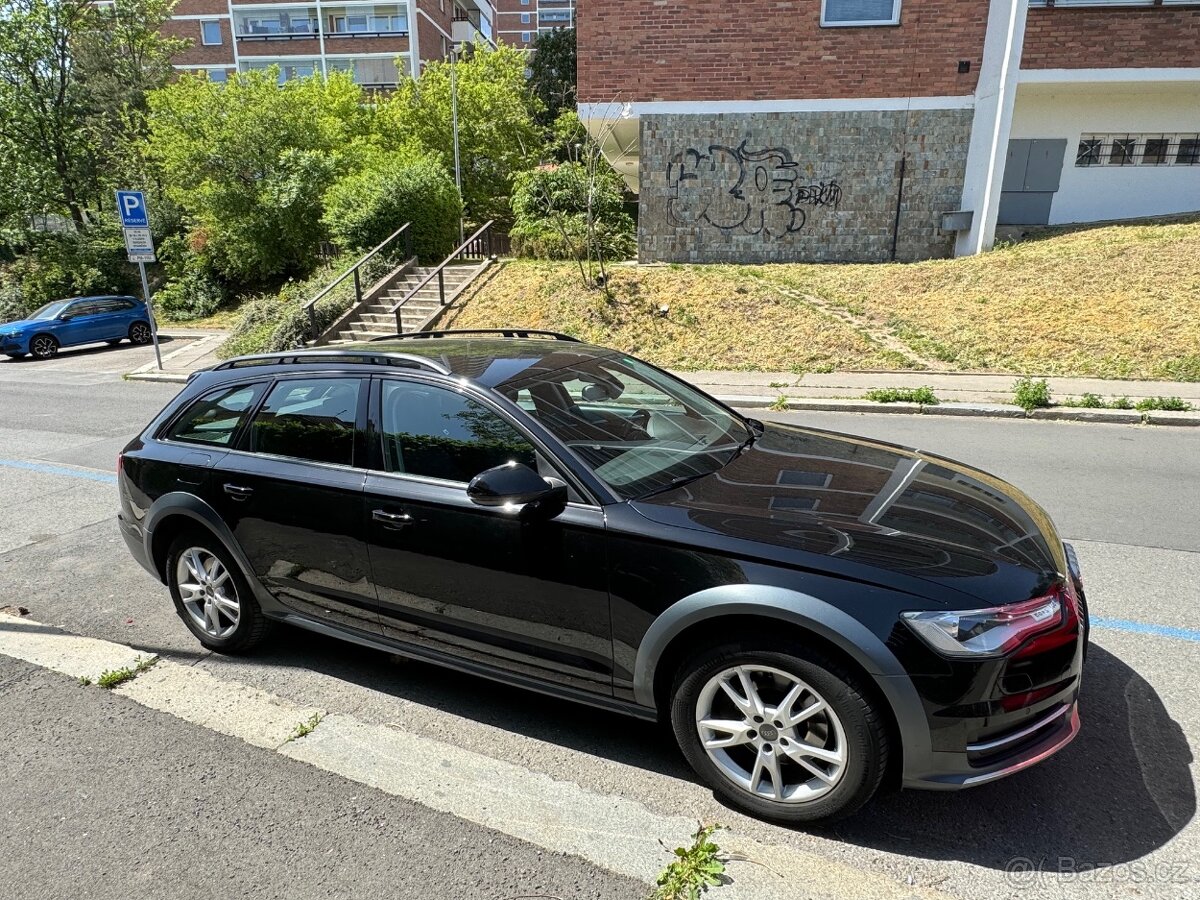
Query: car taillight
pixel 991 632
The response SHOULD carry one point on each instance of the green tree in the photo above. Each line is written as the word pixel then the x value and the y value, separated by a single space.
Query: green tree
pixel 498 135
pixel 248 162
pixel 58 123
pixel 363 208
pixel 552 73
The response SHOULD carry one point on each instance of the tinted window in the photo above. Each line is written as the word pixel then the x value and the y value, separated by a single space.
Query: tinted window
pixel 443 434
pixel 216 416
pixel 308 418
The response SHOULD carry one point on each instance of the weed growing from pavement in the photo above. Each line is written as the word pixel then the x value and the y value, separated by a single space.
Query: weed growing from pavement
pixel 111 678
pixel 693 871
pixel 779 404
pixel 1029 393
pixel 84 680
pixel 922 395
pixel 305 728
pixel 1167 404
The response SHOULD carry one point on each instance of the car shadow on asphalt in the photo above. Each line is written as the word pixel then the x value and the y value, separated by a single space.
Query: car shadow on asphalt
pixel 1121 790
pixel 82 351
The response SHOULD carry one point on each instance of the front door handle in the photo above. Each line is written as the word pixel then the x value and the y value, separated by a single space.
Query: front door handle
pixel 392 520
pixel 238 492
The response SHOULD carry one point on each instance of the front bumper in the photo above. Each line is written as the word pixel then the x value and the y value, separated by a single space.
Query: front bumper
pixel 13 345
pixel 1001 756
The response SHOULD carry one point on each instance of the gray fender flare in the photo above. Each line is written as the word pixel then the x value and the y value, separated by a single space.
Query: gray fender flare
pixel 812 613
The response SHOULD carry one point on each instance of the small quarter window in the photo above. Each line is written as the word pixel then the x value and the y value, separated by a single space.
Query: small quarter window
pixel 215 417
pixel 308 418
pixel 437 433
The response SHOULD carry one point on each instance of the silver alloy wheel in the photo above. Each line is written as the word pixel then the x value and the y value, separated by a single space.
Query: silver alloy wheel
pixel 139 333
pixel 771 734
pixel 43 346
pixel 207 592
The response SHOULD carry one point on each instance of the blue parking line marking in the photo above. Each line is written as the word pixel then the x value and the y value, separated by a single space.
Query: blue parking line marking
pixel 1182 634
pixel 48 469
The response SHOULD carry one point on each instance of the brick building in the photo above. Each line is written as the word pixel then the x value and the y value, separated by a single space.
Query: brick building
pixel 378 42
pixel 518 22
pixel 772 130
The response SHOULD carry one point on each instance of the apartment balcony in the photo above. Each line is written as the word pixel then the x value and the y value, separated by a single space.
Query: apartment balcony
pixel 471 26
pixel 274 26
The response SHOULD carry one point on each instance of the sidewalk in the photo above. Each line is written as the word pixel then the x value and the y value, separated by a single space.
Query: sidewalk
pixel 199 352
pixel 959 393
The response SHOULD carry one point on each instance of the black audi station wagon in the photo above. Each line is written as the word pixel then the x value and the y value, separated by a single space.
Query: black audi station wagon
pixel 813 613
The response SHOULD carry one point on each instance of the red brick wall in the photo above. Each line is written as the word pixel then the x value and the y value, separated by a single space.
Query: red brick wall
pixel 197 54
pixel 432 42
pixel 772 49
pixel 1083 38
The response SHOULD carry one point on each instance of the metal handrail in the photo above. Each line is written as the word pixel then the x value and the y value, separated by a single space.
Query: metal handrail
pixel 353 270
pixel 440 271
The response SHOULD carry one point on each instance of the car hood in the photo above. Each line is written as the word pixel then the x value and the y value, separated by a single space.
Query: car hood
pixel 873 511
pixel 18 325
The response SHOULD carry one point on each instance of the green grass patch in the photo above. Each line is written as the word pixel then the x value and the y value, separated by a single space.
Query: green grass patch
pixel 922 395
pixel 111 678
pixel 1030 393
pixel 693 871
pixel 1163 404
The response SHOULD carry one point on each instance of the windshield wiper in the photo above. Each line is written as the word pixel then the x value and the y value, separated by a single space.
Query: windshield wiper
pixel 673 483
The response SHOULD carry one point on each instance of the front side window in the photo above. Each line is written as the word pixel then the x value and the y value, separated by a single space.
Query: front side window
pixel 640 430
pixel 310 419
pixel 215 417
pixel 860 12
pixel 438 433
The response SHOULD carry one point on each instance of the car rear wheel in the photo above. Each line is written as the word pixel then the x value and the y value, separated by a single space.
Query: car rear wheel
pixel 139 333
pixel 43 346
pixel 212 597
pixel 780 732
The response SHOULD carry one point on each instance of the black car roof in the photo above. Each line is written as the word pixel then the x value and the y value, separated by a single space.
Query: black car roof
pixel 489 360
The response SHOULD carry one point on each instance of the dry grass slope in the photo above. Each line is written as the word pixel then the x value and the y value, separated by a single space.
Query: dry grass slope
pixel 1119 301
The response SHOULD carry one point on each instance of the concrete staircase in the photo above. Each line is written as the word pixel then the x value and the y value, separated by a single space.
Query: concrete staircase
pixel 374 317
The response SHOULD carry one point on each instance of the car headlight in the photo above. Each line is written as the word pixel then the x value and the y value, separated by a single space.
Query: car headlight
pixel 987 632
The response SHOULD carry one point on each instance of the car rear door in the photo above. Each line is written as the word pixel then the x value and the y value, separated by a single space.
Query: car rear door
pixel 112 319
pixel 478 584
pixel 291 492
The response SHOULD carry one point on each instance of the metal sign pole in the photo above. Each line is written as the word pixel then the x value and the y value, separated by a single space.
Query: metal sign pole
pixel 150 310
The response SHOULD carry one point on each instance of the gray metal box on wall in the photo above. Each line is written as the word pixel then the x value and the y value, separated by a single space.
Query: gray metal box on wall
pixel 793 187
pixel 1032 173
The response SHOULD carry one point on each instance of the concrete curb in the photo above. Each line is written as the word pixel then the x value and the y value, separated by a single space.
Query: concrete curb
pixel 976 410
pixel 173 377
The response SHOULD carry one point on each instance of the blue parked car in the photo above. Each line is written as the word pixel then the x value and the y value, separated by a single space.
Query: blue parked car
pixel 79 320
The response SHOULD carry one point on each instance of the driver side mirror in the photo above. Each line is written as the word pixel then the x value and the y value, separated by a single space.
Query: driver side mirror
pixel 516 488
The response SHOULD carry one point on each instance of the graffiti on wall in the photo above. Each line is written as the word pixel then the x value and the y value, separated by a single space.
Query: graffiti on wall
pixel 758 191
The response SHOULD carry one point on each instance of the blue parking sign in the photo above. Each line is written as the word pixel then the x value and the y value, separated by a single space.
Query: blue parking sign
pixel 132 207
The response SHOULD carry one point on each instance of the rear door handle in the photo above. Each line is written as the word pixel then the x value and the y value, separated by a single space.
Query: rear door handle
pixel 391 520
pixel 238 492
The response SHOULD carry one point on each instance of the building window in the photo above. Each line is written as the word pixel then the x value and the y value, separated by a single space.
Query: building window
pixel 289 69
pixel 1138 150
pixel 525 37
pixel 219 76
pixel 842 13
pixel 210 33
pixel 369 20
pixel 1123 151
pixel 286 23
pixel 525 17
pixel 371 71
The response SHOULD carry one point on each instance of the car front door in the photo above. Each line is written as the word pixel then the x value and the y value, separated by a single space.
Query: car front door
pixel 78 323
pixel 474 583
pixel 291 492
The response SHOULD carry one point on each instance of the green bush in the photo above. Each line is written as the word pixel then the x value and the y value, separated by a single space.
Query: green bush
pixel 1029 393
pixel 194 295
pixel 551 209
pixel 362 209
pixel 1163 404
pixel 922 395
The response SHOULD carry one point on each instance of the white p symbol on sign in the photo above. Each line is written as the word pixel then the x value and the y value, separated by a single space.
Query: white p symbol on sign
pixel 131 202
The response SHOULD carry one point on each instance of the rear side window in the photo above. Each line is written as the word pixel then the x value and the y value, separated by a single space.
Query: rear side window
pixel 215 417
pixel 310 419
pixel 439 433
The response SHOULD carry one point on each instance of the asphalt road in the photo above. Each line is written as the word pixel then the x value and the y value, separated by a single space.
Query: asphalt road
pixel 1112 815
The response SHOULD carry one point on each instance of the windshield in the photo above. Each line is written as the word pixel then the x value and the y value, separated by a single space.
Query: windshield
pixel 49 311
pixel 640 430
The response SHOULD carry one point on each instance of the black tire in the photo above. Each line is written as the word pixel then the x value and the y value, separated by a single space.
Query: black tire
pixel 44 346
pixel 139 333
pixel 867 745
pixel 252 626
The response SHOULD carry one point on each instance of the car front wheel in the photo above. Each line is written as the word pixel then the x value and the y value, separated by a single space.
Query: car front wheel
pixel 780 732
pixel 139 333
pixel 43 346
pixel 212 597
